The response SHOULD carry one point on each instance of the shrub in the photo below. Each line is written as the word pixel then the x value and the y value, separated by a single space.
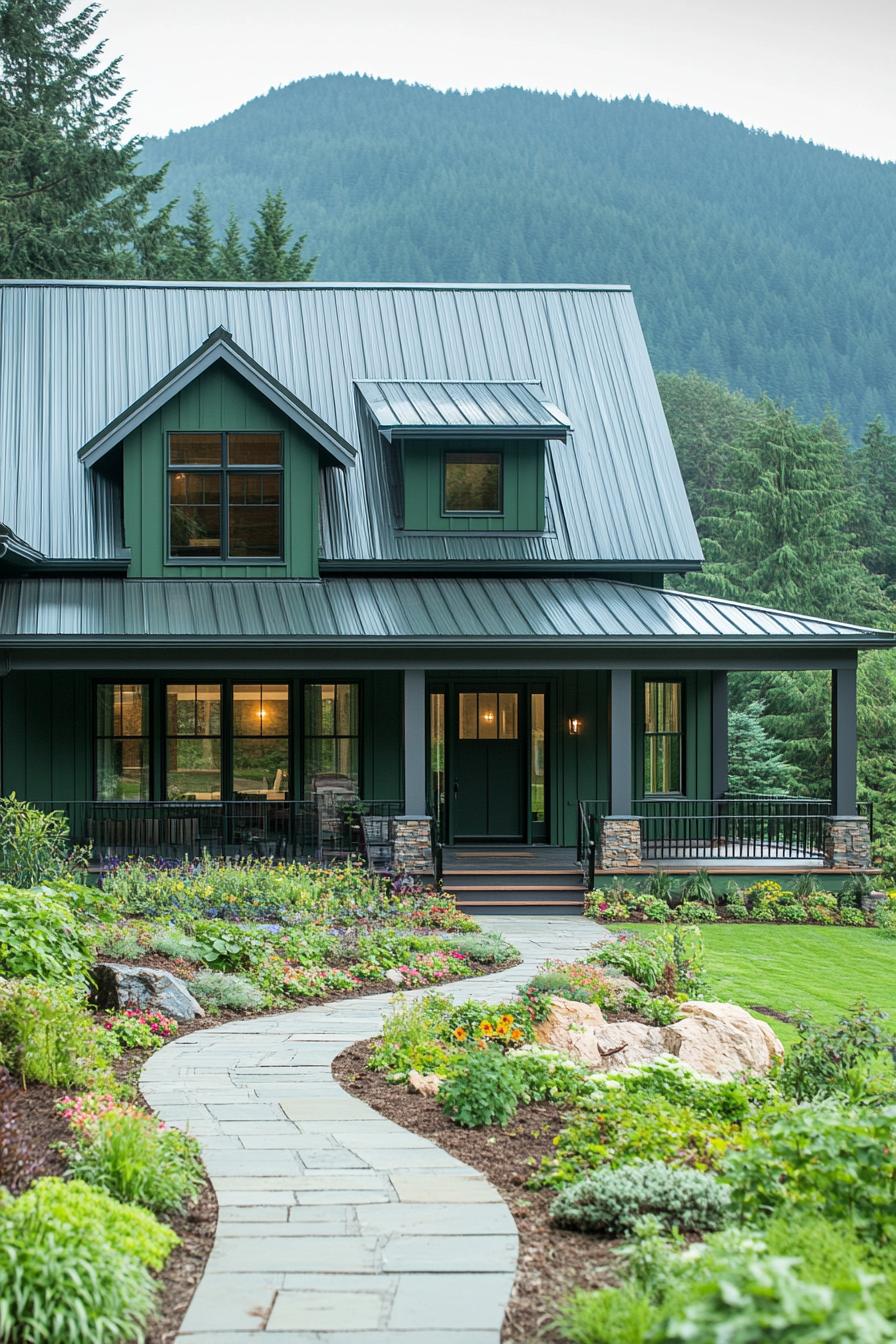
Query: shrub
pixel 614 1316
pixel 612 1199
pixel 822 908
pixel 219 992
pixel 805 887
pixel 137 1160
pixel 852 917
pixel 555 983
pixel 695 912
pixel 855 891
pixel 64 1280
pixel 838 1059
pixel 170 941
pixel 698 887
pixel 416 1035
pixel 659 1010
pixel 499 1024
pixel 34 845
pixel 312 982
pixel 134 1029
pixel 83 1207
pixel 581 981
pixel 885 918
pixel 550 1075
pixel 659 885
pixel 652 908
pixel 492 949
pixel 120 944
pixel 823 1157
pixel 41 938
pixel 791 912
pixel 48 1035
pixel 671 959
pixel 484 1089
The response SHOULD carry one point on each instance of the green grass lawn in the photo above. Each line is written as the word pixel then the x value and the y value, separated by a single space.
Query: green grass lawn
pixel 822 971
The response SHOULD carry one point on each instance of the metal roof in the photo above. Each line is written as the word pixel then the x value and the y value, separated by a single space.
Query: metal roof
pixel 392 610
pixel 76 355
pixel 462 409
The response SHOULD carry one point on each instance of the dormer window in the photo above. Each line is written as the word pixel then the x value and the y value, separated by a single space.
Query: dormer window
pixel 225 496
pixel 473 483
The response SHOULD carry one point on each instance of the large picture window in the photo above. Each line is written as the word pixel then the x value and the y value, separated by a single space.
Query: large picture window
pixel 225 496
pixel 331 756
pixel 260 741
pixel 662 737
pixel 473 483
pixel 193 741
pixel 122 741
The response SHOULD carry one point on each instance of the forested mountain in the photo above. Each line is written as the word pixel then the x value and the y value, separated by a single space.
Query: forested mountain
pixel 760 260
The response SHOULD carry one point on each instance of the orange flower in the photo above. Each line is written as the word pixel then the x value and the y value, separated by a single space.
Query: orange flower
pixel 460 1033
pixel 502 1028
pixel 486 1028
pixel 516 1034
pixel 506 1019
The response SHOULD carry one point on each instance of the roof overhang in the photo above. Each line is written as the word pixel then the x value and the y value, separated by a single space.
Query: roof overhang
pixel 219 348
pixel 462 409
pixel 16 554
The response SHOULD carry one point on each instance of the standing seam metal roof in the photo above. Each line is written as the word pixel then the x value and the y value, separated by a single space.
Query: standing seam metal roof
pixel 362 609
pixel 405 409
pixel 74 355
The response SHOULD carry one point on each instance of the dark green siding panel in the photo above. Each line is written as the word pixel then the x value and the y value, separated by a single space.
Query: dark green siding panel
pixel 217 400
pixel 523 487
pixel 47 753
pixel 382 736
pixel 578 764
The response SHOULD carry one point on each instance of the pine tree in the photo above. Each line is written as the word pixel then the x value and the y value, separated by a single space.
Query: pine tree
pixel 272 256
pixel 756 762
pixel 230 256
pixel 72 202
pixel 874 468
pixel 198 239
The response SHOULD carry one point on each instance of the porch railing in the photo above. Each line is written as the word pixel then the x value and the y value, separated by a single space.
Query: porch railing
pixel 255 828
pixel 757 827
pixel 591 813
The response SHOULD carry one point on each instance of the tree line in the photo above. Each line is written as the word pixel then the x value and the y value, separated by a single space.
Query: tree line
pixel 73 200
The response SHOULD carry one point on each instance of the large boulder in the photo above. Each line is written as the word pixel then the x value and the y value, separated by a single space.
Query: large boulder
pixel 722 1040
pixel 144 987
pixel 718 1040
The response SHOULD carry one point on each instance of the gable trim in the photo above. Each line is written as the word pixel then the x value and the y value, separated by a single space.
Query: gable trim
pixel 220 347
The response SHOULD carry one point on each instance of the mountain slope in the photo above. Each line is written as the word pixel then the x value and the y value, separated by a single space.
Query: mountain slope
pixel 763 261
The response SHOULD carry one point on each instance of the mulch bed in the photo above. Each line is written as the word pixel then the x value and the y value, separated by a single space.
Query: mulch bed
pixel 552 1262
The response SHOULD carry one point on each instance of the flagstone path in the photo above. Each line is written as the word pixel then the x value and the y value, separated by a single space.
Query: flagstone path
pixel 335 1225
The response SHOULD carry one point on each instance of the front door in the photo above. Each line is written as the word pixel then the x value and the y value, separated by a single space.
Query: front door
pixel 487 789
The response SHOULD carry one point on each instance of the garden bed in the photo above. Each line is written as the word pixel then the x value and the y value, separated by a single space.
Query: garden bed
pixel 552 1261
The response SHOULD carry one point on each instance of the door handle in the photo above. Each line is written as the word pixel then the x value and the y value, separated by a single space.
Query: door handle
pixel 455 790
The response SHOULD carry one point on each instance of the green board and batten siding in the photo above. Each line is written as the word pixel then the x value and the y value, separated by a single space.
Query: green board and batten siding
pixel 218 400
pixel 523 486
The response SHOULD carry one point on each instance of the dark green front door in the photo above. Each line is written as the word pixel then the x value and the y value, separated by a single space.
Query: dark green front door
pixel 488 764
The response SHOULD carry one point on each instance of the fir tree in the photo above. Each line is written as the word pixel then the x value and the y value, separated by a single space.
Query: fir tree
pixel 198 240
pixel 72 202
pixel 273 256
pixel 755 758
pixel 230 256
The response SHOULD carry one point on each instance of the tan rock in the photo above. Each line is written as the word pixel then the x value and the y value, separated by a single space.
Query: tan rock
pixel 425 1084
pixel 571 1027
pixel 624 1045
pixel 722 1040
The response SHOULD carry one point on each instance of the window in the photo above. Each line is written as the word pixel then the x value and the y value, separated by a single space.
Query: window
pixel 122 742
pixel 224 496
pixel 488 715
pixel 662 737
pixel 193 741
pixel 331 742
pixel 473 483
pixel 260 741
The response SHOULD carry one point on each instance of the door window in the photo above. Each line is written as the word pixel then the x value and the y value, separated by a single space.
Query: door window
pixel 488 716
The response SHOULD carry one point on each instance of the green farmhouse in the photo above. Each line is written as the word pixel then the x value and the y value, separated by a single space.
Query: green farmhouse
pixel 307 569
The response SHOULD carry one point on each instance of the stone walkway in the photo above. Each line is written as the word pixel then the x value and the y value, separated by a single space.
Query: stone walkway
pixel 337 1226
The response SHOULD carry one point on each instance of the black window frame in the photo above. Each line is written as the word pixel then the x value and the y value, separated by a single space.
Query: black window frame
pixel 679 792
pixel 224 471
pixel 473 452
pixel 221 736
pixel 148 737
pixel 305 737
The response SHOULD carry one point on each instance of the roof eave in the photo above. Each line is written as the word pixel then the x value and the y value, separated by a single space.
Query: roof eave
pixel 559 432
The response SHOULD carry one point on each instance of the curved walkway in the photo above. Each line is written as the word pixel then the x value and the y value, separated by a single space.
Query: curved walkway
pixel 335 1225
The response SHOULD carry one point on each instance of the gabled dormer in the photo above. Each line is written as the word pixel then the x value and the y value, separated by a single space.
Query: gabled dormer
pixel 465 457
pixel 219 468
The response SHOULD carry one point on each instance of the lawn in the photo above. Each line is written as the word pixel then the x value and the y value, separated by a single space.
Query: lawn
pixel 822 971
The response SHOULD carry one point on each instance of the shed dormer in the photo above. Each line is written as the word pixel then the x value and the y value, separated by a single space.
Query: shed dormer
pixel 466 456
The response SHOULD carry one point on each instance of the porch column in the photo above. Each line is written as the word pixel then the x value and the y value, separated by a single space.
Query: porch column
pixel 620 832
pixel 719 770
pixel 847 839
pixel 412 837
pixel 415 742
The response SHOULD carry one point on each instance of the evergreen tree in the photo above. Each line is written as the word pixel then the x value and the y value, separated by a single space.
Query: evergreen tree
pixel 72 202
pixel 755 759
pixel 272 255
pixel 230 255
pixel 874 469
pixel 198 239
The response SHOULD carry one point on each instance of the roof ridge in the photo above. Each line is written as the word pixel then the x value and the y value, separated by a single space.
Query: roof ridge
pixel 596 287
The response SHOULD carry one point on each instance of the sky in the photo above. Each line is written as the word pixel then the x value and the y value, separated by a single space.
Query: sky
pixel 819 69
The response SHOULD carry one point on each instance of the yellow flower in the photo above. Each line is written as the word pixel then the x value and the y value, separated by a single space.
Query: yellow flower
pixel 502 1028
pixel 486 1028
pixel 460 1033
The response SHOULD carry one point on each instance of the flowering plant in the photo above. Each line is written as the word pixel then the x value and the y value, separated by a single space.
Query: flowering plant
pixel 86 1112
pixel 135 1029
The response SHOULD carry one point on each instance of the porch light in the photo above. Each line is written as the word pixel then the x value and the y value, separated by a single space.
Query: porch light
pixel 488 716
pixel 575 726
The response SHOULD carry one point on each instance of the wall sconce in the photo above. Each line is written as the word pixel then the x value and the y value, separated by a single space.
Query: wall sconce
pixel 575 726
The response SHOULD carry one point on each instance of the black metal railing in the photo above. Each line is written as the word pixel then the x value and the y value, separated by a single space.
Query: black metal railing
pixel 756 827
pixel 255 828
pixel 590 814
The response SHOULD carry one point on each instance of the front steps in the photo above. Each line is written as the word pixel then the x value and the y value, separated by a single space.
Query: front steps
pixel 516 879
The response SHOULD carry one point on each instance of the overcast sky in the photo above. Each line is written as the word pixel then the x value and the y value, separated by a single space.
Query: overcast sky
pixel 821 69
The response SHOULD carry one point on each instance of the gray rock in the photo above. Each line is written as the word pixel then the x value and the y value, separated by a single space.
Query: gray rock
pixel 145 987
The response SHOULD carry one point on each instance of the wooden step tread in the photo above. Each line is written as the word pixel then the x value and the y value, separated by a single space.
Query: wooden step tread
pixel 508 872
pixel 567 905
pixel 514 886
